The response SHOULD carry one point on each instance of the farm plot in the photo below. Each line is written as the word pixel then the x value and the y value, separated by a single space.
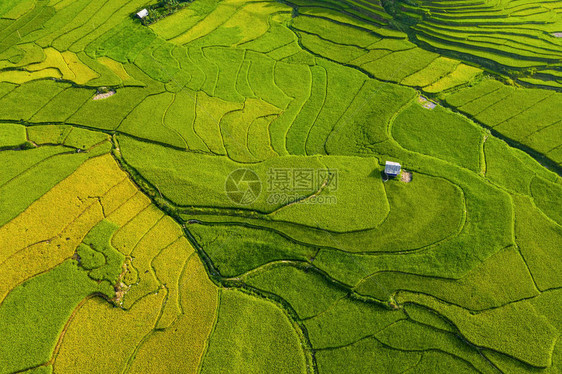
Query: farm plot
pixel 251 335
pixel 394 59
pixel 513 37
pixel 79 256
pixel 128 230
pixel 523 115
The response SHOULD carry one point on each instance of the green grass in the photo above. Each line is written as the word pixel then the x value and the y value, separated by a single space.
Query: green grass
pixel 146 122
pixel 13 163
pixel 252 336
pixel 31 181
pixel 497 55
pixel 366 120
pixel 500 329
pixel 198 301
pixel 454 271
pixel 335 32
pixel 6 88
pixel 330 50
pixel 7 6
pixel 277 36
pixel 524 115
pixel 461 75
pixel 205 134
pixel 48 134
pixel 293 139
pixel 439 361
pixel 527 122
pixel 89 258
pixel 539 240
pixel 354 198
pixel 173 172
pixel 546 140
pixel 209 69
pixel 556 154
pixel 40 370
pixel 439 133
pixel 512 105
pixel 343 85
pixel 84 139
pixel 124 43
pixel 164 233
pixel 487 208
pixel 157 62
pixel 220 243
pixel 229 61
pixel 426 316
pixel 462 97
pixel 308 292
pixel 485 101
pixel 398 65
pixel 178 116
pixel 179 22
pixel 108 113
pixel 108 24
pixel 12 135
pixel 24 101
pixel 261 80
pixel 330 12
pixel 128 236
pixel 438 68
pixel 93 20
pixel 548 197
pixel 367 355
pixel 503 38
pixel 505 169
pixel 50 298
pixel 99 240
pixel 234 127
pixel 501 279
pixel 348 321
pixel 411 336
pixel 441 207
pixel 63 105
pixel 106 76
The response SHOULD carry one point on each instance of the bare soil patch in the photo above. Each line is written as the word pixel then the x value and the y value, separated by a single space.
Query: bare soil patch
pixel 427 104
pixel 103 95
pixel 406 176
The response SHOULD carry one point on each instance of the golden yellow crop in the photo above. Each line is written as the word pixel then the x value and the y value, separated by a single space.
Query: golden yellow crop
pixel 116 68
pixel 162 235
pixel 127 237
pixel 118 196
pixel 199 301
pixel 102 337
pixel 66 213
pixel 130 209
pixel 42 256
pixel 82 72
pixel 168 266
pixel 59 208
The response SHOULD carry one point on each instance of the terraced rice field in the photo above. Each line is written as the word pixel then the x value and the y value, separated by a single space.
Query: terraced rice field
pixel 205 193
pixel 508 36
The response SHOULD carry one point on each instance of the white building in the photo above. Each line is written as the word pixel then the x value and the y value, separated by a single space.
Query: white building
pixel 392 169
pixel 143 13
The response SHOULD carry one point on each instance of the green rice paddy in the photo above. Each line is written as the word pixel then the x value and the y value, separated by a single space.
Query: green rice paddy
pixel 205 192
